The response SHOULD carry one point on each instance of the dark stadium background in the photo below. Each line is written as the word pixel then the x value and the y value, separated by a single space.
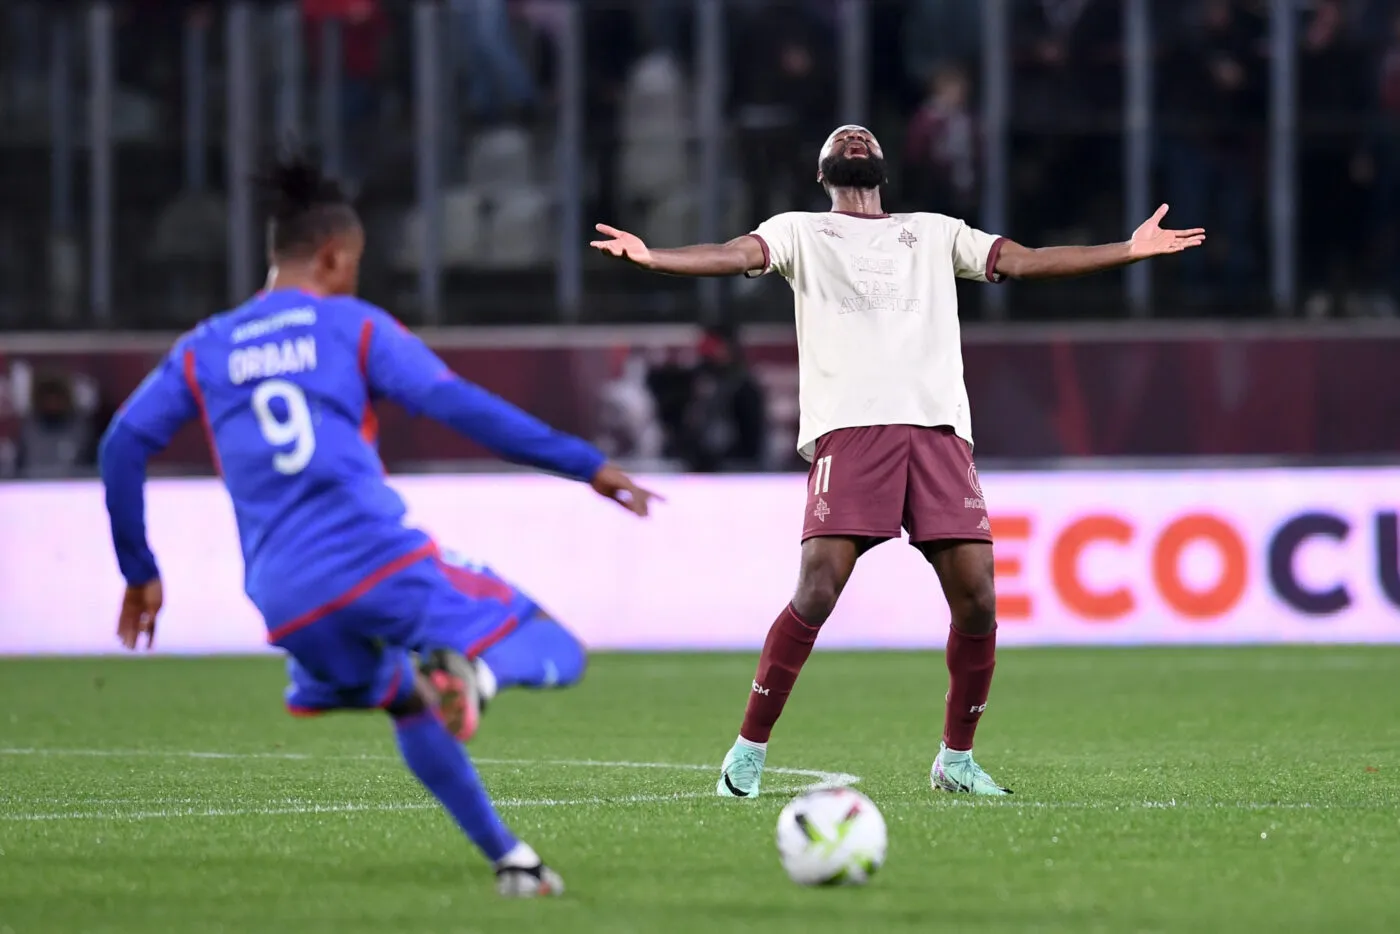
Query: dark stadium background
pixel 1247 390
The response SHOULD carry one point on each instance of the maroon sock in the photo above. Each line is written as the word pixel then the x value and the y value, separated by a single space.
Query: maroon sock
pixel 785 651
pixel 971 660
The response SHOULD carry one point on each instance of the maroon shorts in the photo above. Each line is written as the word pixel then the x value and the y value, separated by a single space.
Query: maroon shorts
pixel 868 482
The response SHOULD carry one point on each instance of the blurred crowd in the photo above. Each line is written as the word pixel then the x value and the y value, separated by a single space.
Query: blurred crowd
pixel 50 422
pixel 702 409
pixel 1210 65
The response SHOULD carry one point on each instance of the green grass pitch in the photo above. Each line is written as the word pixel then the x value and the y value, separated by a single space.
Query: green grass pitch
pixel 1194 790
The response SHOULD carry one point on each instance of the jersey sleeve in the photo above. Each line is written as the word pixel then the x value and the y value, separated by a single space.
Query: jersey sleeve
pixel 144 426
pixel 975 253
pixel 400 367
pixel 778 238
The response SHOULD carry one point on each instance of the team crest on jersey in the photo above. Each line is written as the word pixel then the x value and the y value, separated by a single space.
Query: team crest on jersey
pixel 822 510
pixel 977 500
pixel 973 481
pixel 907 238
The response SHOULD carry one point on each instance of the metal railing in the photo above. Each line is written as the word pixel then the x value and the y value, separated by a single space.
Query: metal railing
pixel 246 83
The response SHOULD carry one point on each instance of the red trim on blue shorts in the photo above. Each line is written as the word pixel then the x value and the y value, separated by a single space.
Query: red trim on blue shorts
pixel 492 637
pixel 375 578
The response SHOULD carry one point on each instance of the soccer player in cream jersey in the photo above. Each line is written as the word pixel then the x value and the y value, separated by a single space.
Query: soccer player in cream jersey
pixel 885 420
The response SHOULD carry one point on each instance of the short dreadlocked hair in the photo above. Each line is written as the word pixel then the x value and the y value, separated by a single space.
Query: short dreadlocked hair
pixel 305 208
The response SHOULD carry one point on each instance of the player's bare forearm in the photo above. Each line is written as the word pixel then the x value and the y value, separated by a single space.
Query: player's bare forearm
pixel 709 259
pixel 1061 262
pixel 1058 262
pixel 738 256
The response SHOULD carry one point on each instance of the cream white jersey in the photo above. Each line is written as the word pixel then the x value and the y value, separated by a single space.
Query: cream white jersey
pixel 878 340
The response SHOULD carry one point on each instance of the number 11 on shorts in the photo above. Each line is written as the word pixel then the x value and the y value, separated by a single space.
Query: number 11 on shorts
pixel 821 476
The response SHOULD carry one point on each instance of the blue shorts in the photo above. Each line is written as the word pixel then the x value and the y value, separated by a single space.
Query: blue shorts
pixel 361 656
pixel 494 609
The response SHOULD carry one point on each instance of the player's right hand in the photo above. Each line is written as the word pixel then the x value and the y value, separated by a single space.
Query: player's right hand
pixel 140 606
pixel 622 244
pixel 612 483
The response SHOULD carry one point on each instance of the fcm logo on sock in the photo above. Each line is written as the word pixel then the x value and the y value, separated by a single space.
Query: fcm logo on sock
pixel 760 689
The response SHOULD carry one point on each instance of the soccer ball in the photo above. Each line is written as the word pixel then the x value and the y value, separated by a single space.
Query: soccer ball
pixel 831 836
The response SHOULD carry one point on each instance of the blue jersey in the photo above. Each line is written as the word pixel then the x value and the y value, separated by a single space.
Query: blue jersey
pixel 284 386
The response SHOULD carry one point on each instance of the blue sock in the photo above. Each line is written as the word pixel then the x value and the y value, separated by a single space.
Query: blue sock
pixel 541 653
pixel 441 764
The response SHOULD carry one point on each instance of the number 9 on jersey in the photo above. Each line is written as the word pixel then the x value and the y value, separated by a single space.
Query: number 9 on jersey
pixel 293 429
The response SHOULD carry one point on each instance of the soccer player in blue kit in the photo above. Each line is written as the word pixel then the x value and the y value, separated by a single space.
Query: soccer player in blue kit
pixel 284 386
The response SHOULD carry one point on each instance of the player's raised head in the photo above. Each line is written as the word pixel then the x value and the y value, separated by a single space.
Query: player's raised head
pixel 313 232
pixel 851 157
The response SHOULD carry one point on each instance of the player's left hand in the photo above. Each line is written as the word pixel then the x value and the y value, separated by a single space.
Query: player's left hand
pixel 611 482
pixel 140 606
pixel 1151 240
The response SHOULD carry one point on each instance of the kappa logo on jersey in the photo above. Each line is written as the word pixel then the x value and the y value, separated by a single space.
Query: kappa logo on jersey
pixel 830 232
pixel 985 525
pixel 907 238
pixel 822 510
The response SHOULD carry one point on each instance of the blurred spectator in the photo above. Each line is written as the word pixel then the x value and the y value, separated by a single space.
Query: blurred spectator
pixel 1333 96
pixel 654 162
pixel 784 105
pixel 1213 111
pixel 940 164
pixel 668 381
pixel 1069 57
pixel 498 83
pixel 724 426
pixel 939 32
pixel 10 382
pixel 364 27
pixel 56 437
pixel 1067 112
pixel 627 420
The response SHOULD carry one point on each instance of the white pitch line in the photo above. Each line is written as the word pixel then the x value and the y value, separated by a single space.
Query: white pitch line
pixel 174 813
pixel 822 779
pixel 821 776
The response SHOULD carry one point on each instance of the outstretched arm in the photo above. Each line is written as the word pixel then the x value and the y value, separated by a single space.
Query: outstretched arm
pixel 1018 262
pixel 402 368
pixel 738 256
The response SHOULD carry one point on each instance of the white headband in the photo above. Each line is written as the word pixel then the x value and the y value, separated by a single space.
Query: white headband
pixel 831 140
